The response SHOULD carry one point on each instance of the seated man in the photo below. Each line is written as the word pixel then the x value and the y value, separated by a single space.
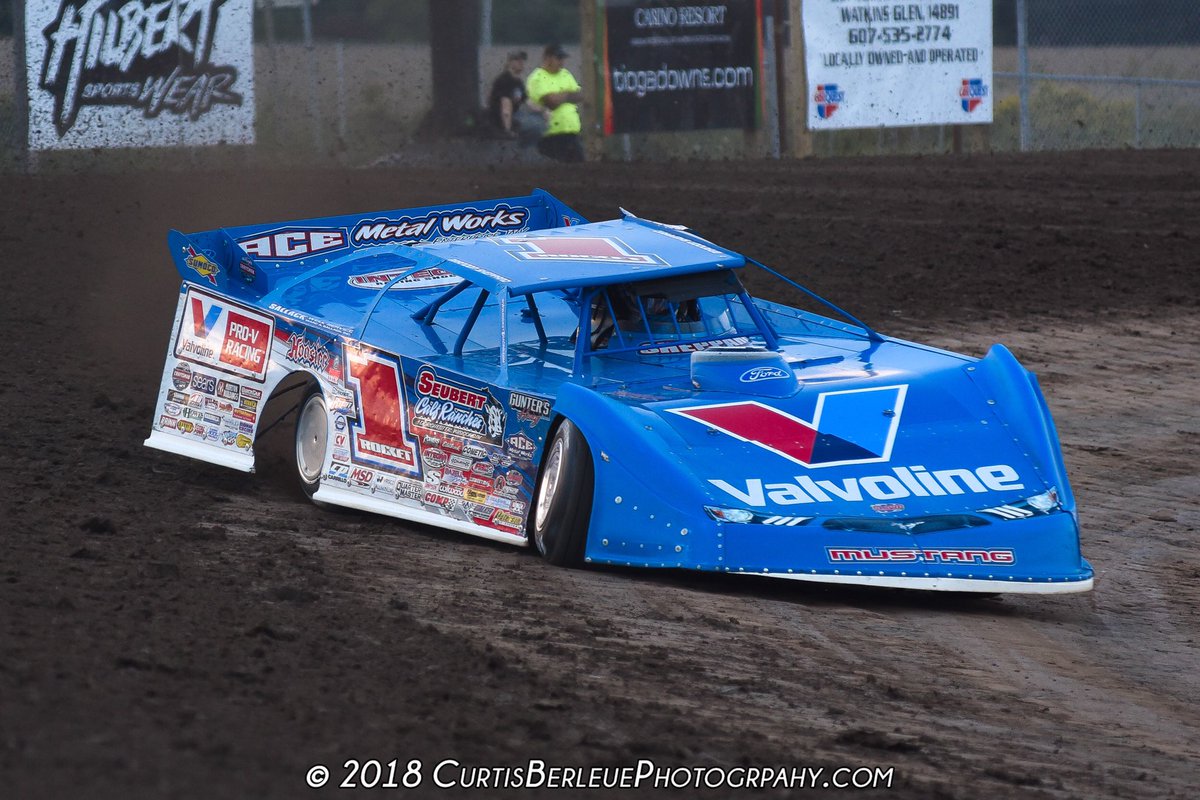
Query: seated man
pixel 508 114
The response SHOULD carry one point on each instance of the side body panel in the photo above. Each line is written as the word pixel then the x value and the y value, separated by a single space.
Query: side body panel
pixel 407 438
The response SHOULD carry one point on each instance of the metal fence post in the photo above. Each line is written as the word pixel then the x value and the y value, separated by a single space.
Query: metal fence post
pixel 1137 115
pixel 772 88
pixel 341 93
pixel 313 107
pixel 1023 70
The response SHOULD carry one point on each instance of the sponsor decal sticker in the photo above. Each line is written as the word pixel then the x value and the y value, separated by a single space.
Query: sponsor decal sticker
pixel 310 353
pixel 202 264
pixel 221 334
pixel 910 555
pixel 167 422
pixel 459 462
pixel 602 249
pixel 530 409
pixel 228 390
pixel 855 426
pixel 140 55
pixel 287 244
pixel 204 383
pixel 687 347
pixel 972 93
pixel 447 406
pixel 181 376
pixel 828 97
pixel 378 436
pixel 887 508
pixel 912 481
pixel 452 224
pixel 441 500
pixel 756 374
pixel 504 519
pixel 433 457
pixel 521 447
pixel 431 278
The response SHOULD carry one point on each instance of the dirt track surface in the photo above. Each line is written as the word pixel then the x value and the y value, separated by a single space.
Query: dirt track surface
pixel 173 629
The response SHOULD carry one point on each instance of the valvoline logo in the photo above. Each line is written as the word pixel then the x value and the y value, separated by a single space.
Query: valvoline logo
pixel 972 93
pixel 828 98
pixel 853 426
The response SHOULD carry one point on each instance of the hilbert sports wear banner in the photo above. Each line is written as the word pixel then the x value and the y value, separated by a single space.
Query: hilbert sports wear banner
pixel 136 73
pixel 873 63
pixel 680 66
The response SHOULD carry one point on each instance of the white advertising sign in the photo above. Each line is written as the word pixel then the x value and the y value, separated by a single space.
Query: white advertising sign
pixel 872 63
pixel 139 73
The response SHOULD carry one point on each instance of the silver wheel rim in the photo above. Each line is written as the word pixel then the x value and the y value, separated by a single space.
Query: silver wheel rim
pixel 312 436
pixel 550 476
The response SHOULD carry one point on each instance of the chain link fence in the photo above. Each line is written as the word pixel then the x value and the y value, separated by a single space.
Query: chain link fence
pixel 1075 74
pixel 355 89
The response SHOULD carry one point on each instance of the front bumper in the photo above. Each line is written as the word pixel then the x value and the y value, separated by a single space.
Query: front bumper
pixel 1036 555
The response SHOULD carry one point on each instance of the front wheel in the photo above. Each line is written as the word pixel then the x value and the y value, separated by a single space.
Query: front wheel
pixel 312 440
pixel 563 500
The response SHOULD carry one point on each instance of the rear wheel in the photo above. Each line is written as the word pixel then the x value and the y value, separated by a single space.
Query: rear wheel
pixel 563 500
pixel 312 440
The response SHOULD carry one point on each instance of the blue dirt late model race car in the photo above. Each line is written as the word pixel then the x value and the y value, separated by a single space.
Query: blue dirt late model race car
pixel 612 393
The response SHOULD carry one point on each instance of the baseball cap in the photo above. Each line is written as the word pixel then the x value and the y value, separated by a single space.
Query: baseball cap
pixel 517 55
pixel 555 50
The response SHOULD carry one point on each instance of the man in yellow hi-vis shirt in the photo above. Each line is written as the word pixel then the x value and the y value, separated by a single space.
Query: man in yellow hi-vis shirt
pixel 555 89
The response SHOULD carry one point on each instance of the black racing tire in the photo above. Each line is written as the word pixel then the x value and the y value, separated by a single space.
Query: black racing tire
pixel 562 502
pixel 312 440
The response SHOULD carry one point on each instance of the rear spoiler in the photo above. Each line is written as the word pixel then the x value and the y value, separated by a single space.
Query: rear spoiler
pixel 248 261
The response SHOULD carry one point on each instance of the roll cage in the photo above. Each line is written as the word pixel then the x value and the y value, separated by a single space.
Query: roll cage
pixel 647 317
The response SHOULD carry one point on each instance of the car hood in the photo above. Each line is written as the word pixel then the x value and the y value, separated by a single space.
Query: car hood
pixel 912 433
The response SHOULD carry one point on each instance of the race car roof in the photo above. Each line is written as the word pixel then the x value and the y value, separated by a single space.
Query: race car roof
pixel 593 254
